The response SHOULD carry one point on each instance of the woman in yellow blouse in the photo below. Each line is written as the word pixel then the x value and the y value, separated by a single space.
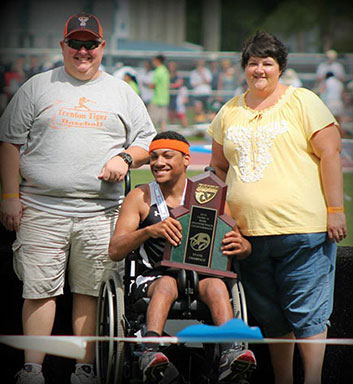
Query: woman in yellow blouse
pixel 278 150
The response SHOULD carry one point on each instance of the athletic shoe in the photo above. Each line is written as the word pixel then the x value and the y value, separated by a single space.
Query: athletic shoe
pixel 236 364
pixel 29 375
pixel 83 375
pixel 151 364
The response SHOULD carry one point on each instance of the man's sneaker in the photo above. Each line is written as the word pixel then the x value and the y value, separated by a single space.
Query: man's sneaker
pixel 236 364
pixel 151 364
pixel 29 375
pixel 83 375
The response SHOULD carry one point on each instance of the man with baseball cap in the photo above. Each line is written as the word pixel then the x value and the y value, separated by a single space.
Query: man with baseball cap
pixel 144 223
pixel 72 133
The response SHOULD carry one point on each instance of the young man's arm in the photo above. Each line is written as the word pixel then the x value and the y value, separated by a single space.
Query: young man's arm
pixel 128 236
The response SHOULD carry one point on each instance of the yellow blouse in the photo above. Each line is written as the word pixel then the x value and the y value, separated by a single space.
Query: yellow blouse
pixel 274 184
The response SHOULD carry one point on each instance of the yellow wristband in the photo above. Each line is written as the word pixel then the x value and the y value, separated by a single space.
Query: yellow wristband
pixel 10 196
pixel 335 209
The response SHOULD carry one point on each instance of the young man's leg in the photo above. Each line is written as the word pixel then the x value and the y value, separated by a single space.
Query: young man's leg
pixel 163 292
pixel 235 362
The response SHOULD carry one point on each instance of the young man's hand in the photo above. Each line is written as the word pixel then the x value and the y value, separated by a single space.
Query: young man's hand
pixel 169 228
pixel 234 244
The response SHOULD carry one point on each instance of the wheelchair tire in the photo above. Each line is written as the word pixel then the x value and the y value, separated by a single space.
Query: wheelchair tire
pixel 110 314
pixel 239 302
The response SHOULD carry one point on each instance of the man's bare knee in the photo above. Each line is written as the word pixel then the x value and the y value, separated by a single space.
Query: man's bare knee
pixel 213 289
pixel 166 286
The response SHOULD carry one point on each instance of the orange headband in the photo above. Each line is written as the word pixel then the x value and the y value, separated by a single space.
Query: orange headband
pixel 170 144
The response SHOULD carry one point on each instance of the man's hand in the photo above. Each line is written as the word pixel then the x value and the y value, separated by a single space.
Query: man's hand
pixel 169 228
pixel 11 213
pixel 234 244
pixel 115 169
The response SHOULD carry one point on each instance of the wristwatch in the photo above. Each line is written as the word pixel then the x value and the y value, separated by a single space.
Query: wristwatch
pixel 126 157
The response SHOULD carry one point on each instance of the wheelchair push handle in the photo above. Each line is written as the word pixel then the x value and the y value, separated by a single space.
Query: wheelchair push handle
pixel 210 169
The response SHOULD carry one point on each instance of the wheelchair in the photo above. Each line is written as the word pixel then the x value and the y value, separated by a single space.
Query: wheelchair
pixel 119 314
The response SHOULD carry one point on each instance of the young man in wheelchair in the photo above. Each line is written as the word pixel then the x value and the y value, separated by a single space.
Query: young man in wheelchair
pixel 144 223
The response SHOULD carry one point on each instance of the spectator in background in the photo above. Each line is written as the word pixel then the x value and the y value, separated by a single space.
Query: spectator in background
pixel 176 82
pixel 182 99
pixel 331 93
pixel 215 71
pixel 329 65
pixel 290 77
pixel 131 79
pixel 347 115
pixel 229 80
pixel 158 107
pixel 200 81
pixel 145 78
pixel 119 70
pixel 14 78
pixel 34 67
pixel 243 87
pixel 3 97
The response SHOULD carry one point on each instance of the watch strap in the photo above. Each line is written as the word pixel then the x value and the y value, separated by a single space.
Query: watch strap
pixel 126 157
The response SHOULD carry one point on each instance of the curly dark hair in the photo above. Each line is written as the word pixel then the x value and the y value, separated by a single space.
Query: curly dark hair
pixel 263 44
pixel 171 135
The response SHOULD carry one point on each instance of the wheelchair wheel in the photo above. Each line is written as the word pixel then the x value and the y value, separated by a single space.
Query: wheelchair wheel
pixel 110 313
pixel 239 302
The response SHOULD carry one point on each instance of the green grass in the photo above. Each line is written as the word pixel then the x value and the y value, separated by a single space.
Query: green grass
pixel 144 176
pixel 348 205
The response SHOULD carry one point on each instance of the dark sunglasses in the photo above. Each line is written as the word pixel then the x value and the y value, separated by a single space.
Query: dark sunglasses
pixel 78 44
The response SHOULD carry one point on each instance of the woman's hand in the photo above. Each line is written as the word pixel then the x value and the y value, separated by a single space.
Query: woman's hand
pixel 336 226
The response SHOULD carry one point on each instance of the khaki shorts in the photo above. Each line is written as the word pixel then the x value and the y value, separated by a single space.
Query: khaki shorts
pixel 48 245
pixel 158 113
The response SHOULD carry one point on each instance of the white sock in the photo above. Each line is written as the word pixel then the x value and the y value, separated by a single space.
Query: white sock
pixel 79 365
pixel 36 368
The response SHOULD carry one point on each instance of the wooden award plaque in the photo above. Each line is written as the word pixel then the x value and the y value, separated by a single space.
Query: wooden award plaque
pixel 204 225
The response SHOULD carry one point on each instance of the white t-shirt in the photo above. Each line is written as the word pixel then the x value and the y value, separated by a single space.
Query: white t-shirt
pixel 69 129
pixel 201 82
pixel 335 67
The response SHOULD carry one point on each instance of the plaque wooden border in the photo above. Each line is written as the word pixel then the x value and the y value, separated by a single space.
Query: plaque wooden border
pixel 205 192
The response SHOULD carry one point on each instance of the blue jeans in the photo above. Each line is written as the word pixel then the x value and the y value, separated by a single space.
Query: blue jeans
pixel 289 283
